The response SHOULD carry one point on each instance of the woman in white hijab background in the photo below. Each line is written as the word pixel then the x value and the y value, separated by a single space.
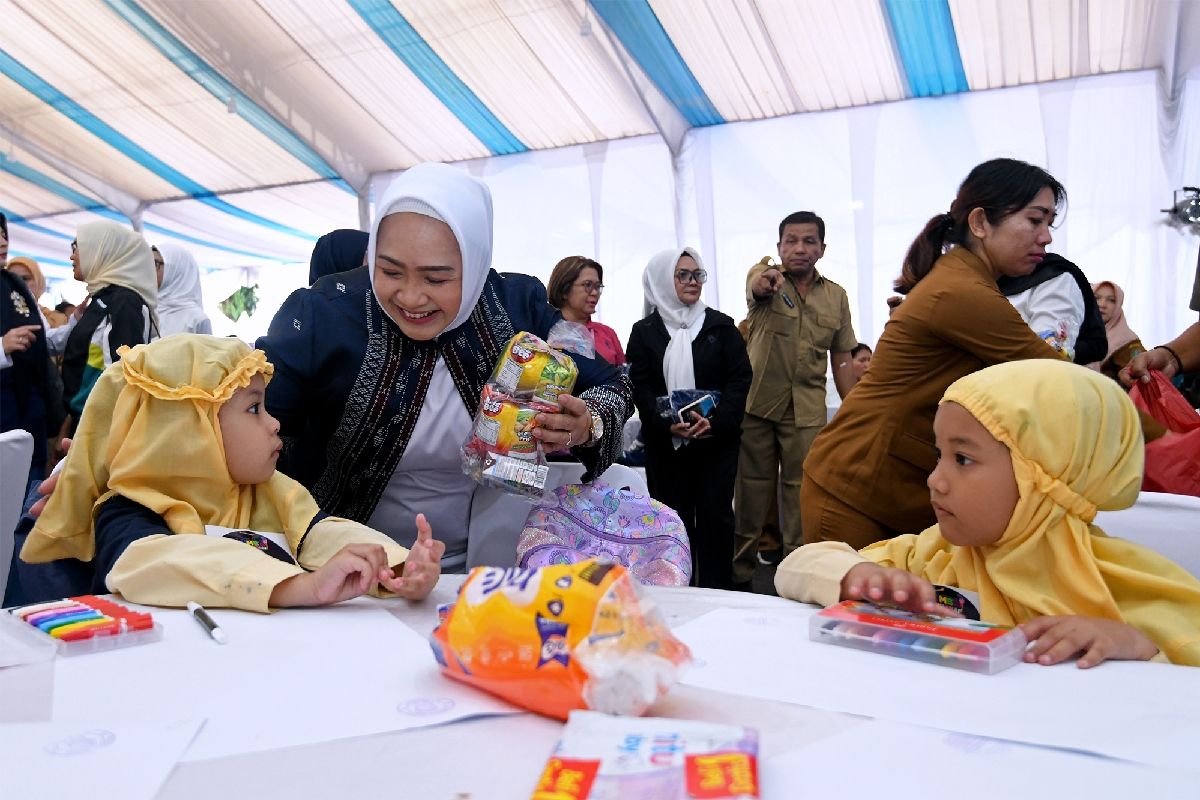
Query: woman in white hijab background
pixel 378 373
pixel 691 465
pixel 180 299
pixel 116 264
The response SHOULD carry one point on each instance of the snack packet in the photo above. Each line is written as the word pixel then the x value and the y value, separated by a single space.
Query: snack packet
pixel 501 450
pixel 617 758
pixel 564 637
pixel 532 371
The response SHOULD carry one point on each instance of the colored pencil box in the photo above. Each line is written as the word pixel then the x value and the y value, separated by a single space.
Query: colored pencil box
pixel 88 624
pixel 947 641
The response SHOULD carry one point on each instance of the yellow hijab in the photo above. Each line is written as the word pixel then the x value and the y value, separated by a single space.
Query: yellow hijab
pixel 1076 447
pixel 150 433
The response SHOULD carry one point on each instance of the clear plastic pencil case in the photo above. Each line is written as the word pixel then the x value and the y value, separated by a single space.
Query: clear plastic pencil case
pixel 948 641
pixel 87 624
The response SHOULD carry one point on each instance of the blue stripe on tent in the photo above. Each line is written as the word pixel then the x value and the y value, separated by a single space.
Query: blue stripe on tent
pixel 48 94
pixel 88 204
pixel 396 32
pixel 638 28
pixel 924 34
pixel 31 175
pixel 13 219
pixel 223 90
pixel 58 262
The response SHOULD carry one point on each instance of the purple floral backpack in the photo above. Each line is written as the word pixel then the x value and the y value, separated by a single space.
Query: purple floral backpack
pixel 581 521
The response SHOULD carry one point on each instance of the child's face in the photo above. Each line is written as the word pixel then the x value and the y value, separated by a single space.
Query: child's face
pixel 250 435
pixel 973 489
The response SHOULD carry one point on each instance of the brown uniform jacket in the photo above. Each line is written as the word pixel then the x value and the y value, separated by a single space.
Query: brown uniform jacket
pixel 878 451
pixel 789 343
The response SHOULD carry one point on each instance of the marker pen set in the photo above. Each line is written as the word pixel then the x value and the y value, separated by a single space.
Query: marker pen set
pixel 88 624
pixel 947 641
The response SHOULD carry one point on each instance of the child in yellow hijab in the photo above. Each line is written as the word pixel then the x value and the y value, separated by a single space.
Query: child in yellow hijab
pixel 1028 452
pixel 175 443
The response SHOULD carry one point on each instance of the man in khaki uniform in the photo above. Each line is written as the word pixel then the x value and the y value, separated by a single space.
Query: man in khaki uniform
pixel 796 318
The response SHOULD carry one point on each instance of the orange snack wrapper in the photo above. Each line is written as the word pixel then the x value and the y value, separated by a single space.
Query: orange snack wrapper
pixel 563 637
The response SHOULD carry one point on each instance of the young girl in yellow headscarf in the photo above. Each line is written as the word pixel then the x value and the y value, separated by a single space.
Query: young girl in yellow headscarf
pixel 1028 451
pixel 175 443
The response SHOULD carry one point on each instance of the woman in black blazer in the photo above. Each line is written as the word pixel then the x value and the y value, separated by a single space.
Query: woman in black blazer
pixel 690 466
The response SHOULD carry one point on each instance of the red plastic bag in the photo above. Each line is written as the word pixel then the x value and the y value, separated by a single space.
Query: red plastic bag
pixel 1172 462
pixel 1160 399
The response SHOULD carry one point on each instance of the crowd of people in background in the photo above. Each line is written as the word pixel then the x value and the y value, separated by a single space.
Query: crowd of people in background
pixel 369 380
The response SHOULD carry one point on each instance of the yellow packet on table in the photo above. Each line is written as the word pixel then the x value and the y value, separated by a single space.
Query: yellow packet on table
pixel 563 637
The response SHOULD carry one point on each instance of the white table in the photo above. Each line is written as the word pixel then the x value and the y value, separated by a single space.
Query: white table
pixel 501 757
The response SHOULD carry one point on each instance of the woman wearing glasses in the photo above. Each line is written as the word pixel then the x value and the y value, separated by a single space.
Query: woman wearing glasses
pixel 691 465
pixel 575 287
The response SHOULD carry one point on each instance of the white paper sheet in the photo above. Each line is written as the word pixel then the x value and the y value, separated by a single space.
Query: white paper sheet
pixel 293 677
pixel 897 761
pixel 1143 712
pixel 129 760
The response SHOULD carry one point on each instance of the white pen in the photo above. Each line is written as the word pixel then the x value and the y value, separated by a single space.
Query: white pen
pixel 200 615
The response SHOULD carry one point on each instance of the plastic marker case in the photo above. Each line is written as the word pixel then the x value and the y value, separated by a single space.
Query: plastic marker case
pixel 88 624
pixel 948 641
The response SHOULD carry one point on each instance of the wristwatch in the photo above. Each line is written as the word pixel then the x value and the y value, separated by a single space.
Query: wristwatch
pixel 597 430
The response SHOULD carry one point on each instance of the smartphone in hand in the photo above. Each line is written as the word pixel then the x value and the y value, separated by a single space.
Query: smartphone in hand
pixel 703 406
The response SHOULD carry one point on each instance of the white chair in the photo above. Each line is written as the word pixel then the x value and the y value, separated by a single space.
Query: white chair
pixel 1166 523
pixel 16 453
pixel 497 517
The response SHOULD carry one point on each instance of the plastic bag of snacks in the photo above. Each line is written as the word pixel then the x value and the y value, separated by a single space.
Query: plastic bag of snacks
pixel 572 336
pixel 572 636
pixel 501 450
pixel 531 371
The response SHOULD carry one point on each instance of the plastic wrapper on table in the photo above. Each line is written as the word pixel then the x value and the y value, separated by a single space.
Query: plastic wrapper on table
pixel 577 636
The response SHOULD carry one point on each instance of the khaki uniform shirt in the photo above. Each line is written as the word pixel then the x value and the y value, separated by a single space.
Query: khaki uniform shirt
pixel 789 343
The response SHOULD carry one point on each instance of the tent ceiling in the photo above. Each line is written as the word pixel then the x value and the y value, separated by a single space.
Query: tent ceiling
pixel 247 128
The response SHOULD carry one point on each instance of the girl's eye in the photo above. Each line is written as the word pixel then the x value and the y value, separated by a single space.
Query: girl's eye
pixel 253 409
pixel 962 460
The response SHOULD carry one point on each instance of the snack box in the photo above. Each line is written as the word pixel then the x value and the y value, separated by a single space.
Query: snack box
pixel 948 641
pixel 87 624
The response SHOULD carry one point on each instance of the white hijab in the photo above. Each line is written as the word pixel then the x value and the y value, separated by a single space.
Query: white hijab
pixel 683 322
pixel 180 288
pixel 452 196
pixel 112 255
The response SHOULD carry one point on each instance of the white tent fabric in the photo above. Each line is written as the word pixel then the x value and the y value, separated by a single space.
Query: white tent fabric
pixel 609 128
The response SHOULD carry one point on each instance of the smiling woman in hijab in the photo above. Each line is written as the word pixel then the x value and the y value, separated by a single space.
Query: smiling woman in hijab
pixel 118 268
pixel 691 466
pixel 378 373
pixel 180 300
pixel 337 251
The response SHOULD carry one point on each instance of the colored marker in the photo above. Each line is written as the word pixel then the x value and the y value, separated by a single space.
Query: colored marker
pixel 200 615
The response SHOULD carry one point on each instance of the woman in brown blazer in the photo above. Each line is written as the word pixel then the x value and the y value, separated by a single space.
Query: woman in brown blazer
pixel 864 479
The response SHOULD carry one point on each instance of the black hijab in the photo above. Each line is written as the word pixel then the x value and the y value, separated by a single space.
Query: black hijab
pixel 337 251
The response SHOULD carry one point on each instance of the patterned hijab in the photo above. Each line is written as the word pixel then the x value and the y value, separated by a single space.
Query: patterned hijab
pixel 1076 447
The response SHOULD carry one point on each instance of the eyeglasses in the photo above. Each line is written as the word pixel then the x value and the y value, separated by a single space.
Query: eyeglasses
pixel 591 286
pixel 74 246
pixel 687 276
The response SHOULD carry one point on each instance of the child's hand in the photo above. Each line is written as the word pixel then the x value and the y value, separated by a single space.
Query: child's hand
pixel 875 584
pixel 1056 639
pixel 421 569
pixel 352 571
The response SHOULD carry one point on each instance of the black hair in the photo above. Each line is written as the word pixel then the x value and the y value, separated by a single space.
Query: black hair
pixel 803 218
pixel 858 348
